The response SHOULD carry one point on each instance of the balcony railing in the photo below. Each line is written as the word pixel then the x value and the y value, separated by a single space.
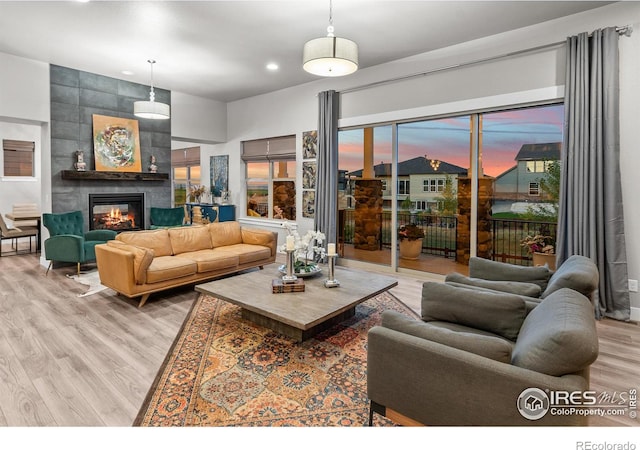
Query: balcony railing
pixel 441 234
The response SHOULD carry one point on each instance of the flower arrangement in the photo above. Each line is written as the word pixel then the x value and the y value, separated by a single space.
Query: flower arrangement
pixel 411 232
pixel 538 244
pixel 308 249
pixel 216 191
pixel 196 191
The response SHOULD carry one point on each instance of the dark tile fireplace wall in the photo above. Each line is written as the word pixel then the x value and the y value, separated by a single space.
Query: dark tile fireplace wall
pixel 75 97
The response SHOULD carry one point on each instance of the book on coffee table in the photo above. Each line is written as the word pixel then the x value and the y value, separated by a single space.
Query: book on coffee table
pixel 280 287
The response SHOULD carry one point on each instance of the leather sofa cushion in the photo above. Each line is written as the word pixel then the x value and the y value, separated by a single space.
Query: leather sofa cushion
pixel 189 239
pixel 212 259
pixel 559 336
pixel 491 347
pixel 513 287
pixel 156 240
pixel 225 233
pixel 142 258
pixel 248 253
pixel 164 268
pixel 497 271
pixel 496 312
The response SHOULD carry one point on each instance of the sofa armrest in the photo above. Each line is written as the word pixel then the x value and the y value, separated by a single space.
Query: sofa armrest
pixel 440 385
pixel 65 248
pixel 256 236
pixel 499 271
pixel 116 268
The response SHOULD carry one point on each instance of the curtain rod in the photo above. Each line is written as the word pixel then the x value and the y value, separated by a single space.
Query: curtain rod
pixel 623 30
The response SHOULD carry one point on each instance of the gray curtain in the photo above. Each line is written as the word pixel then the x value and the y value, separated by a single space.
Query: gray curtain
pixel 327 170
pixel 590 220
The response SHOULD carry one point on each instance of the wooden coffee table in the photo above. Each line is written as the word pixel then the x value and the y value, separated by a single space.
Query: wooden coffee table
pixel 299 315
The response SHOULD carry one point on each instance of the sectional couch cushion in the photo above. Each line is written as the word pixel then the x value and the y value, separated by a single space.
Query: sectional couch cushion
pixel 189 239
pixel 491 347
pixel 212 259
pixel 142 258
pixel 225 233
pixel 513 287
pixel 496 312
pixel 559 336
pixel 156 240
pixel 165 268
pixel 497 271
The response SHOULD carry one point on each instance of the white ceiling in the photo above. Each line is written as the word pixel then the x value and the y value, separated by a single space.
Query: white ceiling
pixel 219 49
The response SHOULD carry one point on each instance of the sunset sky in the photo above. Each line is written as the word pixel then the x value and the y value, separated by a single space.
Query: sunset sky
pixel 448 139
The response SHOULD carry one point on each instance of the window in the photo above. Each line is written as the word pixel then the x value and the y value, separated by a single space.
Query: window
pixel 271 174
pixel 433 185
pixel 538 166
pixel 185 168
pixel 18 158
pixel 534 189
pixel 403 187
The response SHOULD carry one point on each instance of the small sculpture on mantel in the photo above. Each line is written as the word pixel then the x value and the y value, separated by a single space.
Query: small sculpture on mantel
pixel 80 165
pixel 153 168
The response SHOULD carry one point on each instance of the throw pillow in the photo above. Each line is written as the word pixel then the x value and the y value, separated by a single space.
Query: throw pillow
pixel 488 346
pixel 559 336
pixel 497 312
pixel 513 287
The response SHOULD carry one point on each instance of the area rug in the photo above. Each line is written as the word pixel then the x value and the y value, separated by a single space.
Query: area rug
pixel 91 279
pixel 224 370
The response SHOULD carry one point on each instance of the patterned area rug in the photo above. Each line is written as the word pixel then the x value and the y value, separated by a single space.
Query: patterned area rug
pixel 226 371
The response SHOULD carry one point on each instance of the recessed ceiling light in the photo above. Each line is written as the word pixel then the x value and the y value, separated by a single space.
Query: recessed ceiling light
pixel 127 72
pixel 272 66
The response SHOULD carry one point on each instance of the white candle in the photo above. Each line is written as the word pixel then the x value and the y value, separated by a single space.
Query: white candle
pixel 291 243
pixel 331 249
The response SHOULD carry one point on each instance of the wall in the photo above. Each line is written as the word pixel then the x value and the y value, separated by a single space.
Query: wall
pixel 75 97
pixel 198 120
pixel 534 77
pixel 24 113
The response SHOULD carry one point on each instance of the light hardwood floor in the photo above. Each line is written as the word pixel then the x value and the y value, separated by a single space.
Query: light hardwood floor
pixel 89 361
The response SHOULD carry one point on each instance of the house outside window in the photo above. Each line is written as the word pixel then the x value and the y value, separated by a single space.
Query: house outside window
pixel 18 158
pixel 271 177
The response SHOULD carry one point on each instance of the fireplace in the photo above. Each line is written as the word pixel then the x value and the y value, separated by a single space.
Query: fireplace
pixel 118 212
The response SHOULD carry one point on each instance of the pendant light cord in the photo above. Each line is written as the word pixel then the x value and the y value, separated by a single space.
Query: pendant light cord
pixel 152 94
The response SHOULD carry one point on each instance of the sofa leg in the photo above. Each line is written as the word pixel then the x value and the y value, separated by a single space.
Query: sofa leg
pixel 143 300
pixel 261 267
pixel 49 267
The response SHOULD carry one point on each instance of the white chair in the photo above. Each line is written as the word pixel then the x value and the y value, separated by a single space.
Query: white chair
pixel 25 208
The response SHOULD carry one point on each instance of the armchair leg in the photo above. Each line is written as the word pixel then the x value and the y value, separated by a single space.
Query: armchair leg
pixel 78 269
pixel 49 267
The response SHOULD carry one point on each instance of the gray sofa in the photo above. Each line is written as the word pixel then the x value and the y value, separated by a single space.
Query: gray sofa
pixel 475 352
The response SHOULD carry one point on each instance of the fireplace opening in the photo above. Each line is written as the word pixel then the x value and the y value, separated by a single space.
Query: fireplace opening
pixel 118 212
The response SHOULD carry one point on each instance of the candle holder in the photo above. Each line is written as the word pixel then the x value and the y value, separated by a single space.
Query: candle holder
pixel 289 277
pixel 331 282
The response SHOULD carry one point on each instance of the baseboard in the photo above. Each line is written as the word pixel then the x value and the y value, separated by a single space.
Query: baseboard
pixel 635 314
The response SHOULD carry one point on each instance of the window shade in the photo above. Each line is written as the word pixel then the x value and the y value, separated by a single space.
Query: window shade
pixel 280 148
pixel 18 158
pixel 185 157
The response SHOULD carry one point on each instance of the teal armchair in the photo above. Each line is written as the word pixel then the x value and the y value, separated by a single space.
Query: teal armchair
pixel 166 217
pixel 68 242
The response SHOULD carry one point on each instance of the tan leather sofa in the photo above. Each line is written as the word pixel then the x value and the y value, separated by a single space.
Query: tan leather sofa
pixel 139 263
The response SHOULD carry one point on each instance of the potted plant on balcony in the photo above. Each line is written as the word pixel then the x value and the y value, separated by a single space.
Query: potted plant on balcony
pixel 410 237
pixel 542 250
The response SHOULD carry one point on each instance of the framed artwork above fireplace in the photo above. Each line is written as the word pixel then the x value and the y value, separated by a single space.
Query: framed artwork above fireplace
pixel 116 144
